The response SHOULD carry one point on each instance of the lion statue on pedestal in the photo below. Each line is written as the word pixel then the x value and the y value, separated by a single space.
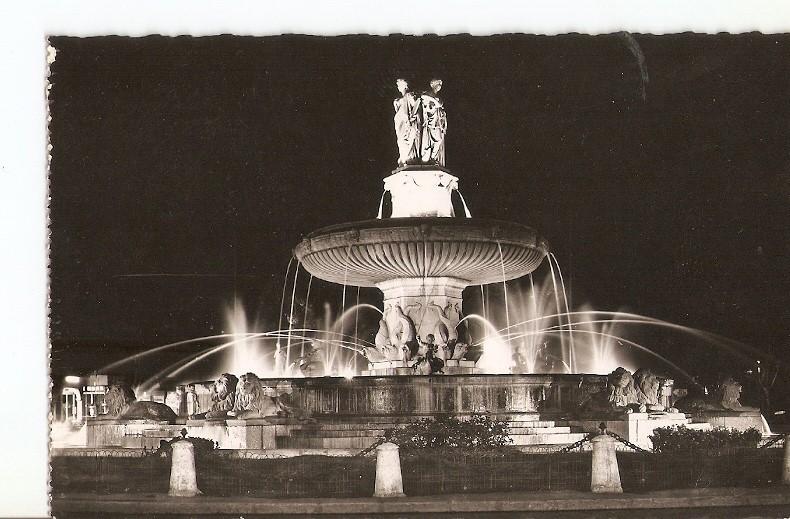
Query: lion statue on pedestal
pixel 619 396
pixel 647 386
pixel 223 396
pixel 251 400
pixel 621 390
pixel 725 398
pixel 123 404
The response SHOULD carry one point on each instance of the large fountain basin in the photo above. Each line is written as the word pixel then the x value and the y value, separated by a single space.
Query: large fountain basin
pixel 477 251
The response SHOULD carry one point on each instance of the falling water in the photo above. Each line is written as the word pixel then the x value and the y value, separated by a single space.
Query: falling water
pixel 572 357
pixel 291 318
pixel 504 285
pixel 381 205
pixel 565 352
pixel 282 298
pixel 466 209
pixel 356 327
pixel 306 307
pixel 532 352
pixel 485 313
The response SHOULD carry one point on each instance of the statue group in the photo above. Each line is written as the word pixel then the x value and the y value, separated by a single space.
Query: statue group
pixel 420 125
pixel 397 338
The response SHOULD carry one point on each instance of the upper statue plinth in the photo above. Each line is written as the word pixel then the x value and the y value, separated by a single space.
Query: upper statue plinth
pixel 420 125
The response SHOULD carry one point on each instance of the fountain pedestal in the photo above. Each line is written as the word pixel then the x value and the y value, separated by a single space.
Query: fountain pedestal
pixel 433 305
pixel 638 427
pixel 421 191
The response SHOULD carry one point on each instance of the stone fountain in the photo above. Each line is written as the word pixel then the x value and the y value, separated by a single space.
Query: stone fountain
pixel 422 256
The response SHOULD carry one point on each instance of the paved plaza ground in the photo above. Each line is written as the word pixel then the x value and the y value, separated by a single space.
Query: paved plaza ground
pixel 712 503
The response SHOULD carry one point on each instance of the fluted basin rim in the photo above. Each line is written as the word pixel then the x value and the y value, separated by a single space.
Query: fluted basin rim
pixel 475 250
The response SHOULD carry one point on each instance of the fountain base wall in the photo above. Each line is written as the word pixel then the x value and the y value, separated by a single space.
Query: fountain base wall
pixel 353 413
pixel 442 394
pixel 402 367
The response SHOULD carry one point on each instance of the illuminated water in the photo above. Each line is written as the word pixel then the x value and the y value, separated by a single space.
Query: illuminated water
pixel 531 330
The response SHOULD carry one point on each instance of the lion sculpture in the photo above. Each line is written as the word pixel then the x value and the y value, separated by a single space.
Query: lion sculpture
pixel 123 404
pixel 621 390
pixel 223 397
pixel 725 398
pixel 647 386
pixel 251 400
pixel 254 400
pixel 620 395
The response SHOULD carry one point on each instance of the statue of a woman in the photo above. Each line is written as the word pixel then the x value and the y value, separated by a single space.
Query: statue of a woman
pixel 434 126
pixel 406 129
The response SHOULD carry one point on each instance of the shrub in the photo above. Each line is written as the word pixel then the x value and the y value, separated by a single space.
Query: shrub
pixel 681 438
pixel 477 431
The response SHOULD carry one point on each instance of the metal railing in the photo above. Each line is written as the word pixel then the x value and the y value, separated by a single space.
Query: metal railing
pixel 424 471
pixel 732 467
pixel 443 471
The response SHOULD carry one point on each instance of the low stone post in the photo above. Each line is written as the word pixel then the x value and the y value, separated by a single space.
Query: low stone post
pixel 605 472
pixel 786 465
pixel 389 480
pixel 183 477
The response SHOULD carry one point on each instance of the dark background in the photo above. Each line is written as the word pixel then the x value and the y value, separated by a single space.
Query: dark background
pixel 184 170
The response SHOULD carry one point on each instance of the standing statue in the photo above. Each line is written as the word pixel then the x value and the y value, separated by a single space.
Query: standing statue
pixel 420 125
pixel 406 127
pixel 434 126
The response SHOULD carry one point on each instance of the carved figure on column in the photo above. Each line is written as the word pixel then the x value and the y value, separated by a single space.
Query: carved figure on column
pixel 447 330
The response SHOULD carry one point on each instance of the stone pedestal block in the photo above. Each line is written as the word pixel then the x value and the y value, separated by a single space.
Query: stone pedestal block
pixel 738 420
pixel 605 472
pixel 389 480
pixel 235 434
pixel 183 476
pixel 421 191
pixel 636 427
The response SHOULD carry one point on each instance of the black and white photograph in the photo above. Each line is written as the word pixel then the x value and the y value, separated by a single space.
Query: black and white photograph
pixel 511 274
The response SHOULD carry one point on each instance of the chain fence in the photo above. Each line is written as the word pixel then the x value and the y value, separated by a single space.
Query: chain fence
pixel 732 467
pixel 450 471
pixel 430 471
pixel 110 474
pixel 219 475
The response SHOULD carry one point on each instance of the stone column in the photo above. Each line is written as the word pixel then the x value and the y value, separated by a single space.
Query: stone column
pixel 417 297
pixel 786 465
pixel 183 477
pixel 389 480
pixel 605 472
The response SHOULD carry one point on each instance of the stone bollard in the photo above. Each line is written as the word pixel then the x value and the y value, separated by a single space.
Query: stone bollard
pixel 389 481
pixel 183 477
pixel 605 473
pixel 786 465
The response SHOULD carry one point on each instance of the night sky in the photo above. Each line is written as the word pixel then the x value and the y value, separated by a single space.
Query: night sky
pixel 185 170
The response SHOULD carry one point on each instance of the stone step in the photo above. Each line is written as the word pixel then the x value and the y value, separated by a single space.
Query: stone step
pixel 547 439
pixel 354 442
pixel 547 449
pixel 335 434
pixel 527 442
pixel 344 419
pixel 343 433
pixel 358 426
pixel 536 424
pixel 539 430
